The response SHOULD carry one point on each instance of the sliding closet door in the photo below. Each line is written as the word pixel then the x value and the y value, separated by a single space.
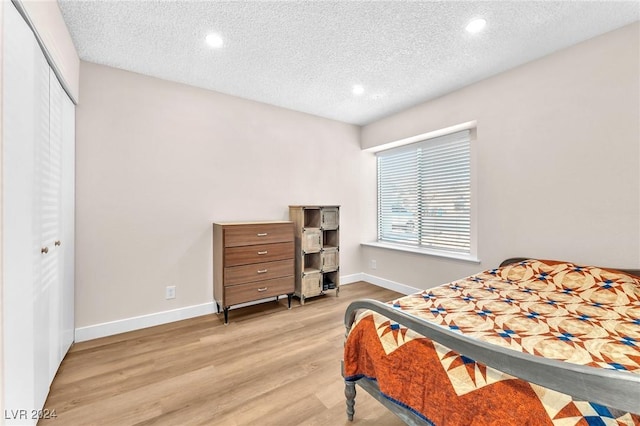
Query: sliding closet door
pixel 46 220
pixel 58 204
pixel 38 221
pixel 50 176
pixel 24 91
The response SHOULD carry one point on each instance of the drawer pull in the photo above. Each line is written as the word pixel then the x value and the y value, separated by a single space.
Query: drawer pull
pixel 262 271
pixel 263 252
pixel 262 234
pixel 262 289
pixel 44 250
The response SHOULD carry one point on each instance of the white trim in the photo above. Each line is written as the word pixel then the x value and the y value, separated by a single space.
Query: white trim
pixel 350 279
pixel 142 321
pixel 424 251
pixel 473 147
pixel 429 135
pixel 389 285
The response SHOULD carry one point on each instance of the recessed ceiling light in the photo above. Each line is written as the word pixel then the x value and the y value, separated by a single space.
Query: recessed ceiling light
pixel 357 89
pixel 214 40
pixel 476 25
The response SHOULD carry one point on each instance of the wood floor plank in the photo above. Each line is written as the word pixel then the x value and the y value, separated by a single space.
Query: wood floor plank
pixel 270 365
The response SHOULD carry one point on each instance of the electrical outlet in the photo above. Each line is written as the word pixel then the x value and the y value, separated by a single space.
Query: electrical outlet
pixel 374 264
pixel 170 292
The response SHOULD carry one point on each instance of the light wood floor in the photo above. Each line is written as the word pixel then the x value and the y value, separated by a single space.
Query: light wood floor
pixel 269 366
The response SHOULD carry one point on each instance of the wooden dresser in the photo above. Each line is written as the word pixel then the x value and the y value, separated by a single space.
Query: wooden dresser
pixel 252 261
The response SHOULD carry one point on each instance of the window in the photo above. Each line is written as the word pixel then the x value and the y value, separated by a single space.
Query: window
pixel 424 195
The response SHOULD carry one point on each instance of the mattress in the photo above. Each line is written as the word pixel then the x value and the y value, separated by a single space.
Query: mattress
pixel 577 314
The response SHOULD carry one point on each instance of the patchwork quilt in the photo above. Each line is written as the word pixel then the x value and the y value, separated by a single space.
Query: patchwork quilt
pixel 579 314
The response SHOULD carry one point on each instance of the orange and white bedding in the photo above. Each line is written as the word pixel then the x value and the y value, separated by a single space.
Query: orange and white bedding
pixel 579 314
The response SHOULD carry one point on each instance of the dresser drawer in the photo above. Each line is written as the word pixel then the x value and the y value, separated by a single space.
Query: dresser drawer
pixel 266 233
pixel 257 272
pixel 244 255
pixel 259 290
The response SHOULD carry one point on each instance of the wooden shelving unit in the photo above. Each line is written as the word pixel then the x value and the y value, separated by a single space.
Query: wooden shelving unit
pixel 317 250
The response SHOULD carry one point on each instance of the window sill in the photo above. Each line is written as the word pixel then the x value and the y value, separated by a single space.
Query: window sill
pixel 424 251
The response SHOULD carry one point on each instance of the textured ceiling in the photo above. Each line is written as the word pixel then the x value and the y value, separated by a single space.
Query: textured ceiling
pixel 307 56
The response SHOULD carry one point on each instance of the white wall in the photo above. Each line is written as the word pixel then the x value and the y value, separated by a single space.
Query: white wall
pixel 158 162
pixel 558 149
pixel 558 152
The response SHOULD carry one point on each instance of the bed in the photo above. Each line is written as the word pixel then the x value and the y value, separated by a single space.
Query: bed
pixel 527 343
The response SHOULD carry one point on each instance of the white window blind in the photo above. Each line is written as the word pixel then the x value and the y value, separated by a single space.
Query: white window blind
pixel 424 194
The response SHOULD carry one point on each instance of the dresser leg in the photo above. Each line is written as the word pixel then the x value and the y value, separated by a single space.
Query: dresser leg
pixel 289 296
pixel 226 315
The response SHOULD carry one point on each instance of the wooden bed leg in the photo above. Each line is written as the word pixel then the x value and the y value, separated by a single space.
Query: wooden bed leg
pixel 350 393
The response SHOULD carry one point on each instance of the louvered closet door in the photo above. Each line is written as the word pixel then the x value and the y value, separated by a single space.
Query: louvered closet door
pixel 51 222
pixel 57 208
pixel 38 189
pixel 22 95
pixel 46 215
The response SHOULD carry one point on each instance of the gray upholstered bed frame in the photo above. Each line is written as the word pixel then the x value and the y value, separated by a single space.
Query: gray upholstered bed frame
pixel 610 388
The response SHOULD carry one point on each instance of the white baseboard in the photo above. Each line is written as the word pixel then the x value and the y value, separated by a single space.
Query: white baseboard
pixel 388 284
pixel 143 321
pixel 350 279
pixel 380 282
